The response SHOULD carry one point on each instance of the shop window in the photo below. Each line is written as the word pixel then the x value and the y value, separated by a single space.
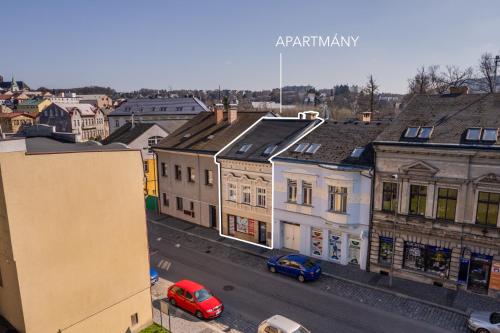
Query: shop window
pixel 317 242
pixel 426 258
pixel 389 196
pixel 245 195
pixel 231 192
pixel 178 172
pixel 292 190
pixel 479 273
pixel 447 203
pixel 244 225
pixel 385 250
pixel 335 246
pixel 191 175
pixel 487 208
pixel 179 203
pixel 306 193
pixel 354 249
pixel 261 197
pixel 337 197
pixel 418 198
pixel 209 177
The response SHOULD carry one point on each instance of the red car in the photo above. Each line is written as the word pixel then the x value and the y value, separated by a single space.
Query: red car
pixel 195 298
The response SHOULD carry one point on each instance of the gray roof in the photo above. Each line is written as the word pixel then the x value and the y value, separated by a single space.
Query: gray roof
pixel 449 115
pixel 160 106
pixel 127 133
pixel 44 145
pixel 337 141
pixel 268 132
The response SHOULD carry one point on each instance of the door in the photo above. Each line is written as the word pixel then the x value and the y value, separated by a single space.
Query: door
pixel 262 232
pixel 212 215
pixel 189 302
pixel 291 236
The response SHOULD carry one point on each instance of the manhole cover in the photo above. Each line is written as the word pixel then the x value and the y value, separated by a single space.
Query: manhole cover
pixel 228 288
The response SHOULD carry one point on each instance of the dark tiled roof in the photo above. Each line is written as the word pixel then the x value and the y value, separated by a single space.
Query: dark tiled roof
pixel 44 145
pixel 202 133
pixel 451 116
pixel 160 106
pixel 126 133
pixel 338 140
pixel 268 132
pixel 20 84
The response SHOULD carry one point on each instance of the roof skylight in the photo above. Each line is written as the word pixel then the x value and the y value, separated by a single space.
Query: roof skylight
pixel 313 148
pixel 356 153
pixel 425 132
pixel 244 148
pixel 490 134
pixel 269 150
pixel 473 134
pixel 301 147
pixel 411 132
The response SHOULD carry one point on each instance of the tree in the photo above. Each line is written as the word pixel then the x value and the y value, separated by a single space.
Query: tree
pixel 454 76
pixel 425 81
pixel 371 89
pixel 487 71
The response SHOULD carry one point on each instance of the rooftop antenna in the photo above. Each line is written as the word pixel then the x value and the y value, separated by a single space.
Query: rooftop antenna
pixel 220 101
pixel 497 60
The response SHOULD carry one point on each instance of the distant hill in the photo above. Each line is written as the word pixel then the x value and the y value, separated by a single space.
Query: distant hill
pixel 91 90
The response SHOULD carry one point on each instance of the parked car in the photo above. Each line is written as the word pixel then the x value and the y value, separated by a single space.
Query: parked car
pixel 195 298
pixel 296 265
pixel 280 324
pixel 484 322
pixel 153 275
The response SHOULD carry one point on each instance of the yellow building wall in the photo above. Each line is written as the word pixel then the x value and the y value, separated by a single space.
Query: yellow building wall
pixel 33 108
pixel 77 226
pixel 150 186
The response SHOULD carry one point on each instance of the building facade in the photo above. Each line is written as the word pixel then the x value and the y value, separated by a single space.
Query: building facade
pixel 33 106
pixel 437 193
pixel 100 100
pixel 55 273
pixel 13 122
pixel 246 195
pixel 322 193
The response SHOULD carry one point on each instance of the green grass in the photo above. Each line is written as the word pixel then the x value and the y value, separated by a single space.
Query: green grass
pixel 155 328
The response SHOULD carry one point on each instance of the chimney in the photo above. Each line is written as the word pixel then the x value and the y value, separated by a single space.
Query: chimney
pixel 219 113
pixel 232 113
pixel 367 116
pixel 308 115
pixel 462 90
pixel 132 120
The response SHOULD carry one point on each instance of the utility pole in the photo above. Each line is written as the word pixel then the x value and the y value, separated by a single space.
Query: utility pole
pixel 497 61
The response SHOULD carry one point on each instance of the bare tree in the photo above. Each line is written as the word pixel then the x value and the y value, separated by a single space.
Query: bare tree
pixel 487 71
pixel 366 98
pixel 454 76
pixel 426 81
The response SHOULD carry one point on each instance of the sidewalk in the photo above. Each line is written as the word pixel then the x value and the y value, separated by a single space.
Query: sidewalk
pixel 459 301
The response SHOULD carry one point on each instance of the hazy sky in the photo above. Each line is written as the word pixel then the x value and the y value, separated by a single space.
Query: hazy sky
pixel 129 44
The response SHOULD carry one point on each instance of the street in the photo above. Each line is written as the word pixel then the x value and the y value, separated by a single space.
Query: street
pixel 251 294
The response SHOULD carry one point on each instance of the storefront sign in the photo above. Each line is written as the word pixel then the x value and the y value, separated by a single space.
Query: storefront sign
pixel 495 276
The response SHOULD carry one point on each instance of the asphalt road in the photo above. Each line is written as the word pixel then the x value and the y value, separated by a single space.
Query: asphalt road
pixel 257 294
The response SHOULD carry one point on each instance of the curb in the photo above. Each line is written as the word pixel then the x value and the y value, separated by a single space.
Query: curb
pixel 361 284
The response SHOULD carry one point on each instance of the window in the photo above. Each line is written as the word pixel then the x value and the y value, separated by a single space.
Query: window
pixel 166 203
pixel 487 208
pixel 389 196
pixel 244 148
pixel 411 132
pixel 306 193
pixel 152 141
pixel 179 203
pixel 189 296
pixel 146 167
pixel 134 319
pixel 313 148
pixel 447 203
pixel 317 242
pixel 164 172
pixel 337 199
pixel 271 329
pixel 191 175
pixel 473 134
pixel 245 194
pixel 418 198
pixel 269 150
pixel 178 172
pixel 385 250
pixel 356 153
pixel 209 177
pixel 292 190
pixel 426 258
pixel 490 134
pixel 425 132
pixel 301 147
pixel 231 192
pixel 261 197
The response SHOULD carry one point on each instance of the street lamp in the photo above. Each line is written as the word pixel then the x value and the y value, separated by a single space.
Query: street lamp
pixel 395 176
pixel 497 61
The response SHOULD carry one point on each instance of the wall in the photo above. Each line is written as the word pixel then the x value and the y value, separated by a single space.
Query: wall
pixel 80 244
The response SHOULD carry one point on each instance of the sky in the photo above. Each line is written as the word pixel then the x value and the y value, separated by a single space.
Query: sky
pixel 161 44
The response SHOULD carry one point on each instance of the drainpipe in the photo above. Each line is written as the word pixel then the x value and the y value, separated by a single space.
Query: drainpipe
pixel 370 220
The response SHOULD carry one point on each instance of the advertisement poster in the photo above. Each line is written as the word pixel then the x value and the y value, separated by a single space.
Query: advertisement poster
pixel 335 244
pixel 251 227
pixel 242 224
pixel 354 247
pixel 230 219
pixel 495 276
pixel 317 242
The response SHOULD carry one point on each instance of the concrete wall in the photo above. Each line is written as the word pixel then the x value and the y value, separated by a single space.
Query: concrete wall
pixel 77 226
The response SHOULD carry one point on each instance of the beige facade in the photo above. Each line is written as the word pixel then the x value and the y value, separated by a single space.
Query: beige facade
pixel 193 199
pixel 246 203
pixel 440 238
pixel 73 242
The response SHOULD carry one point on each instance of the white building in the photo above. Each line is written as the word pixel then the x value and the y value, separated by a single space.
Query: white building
pixel 322 193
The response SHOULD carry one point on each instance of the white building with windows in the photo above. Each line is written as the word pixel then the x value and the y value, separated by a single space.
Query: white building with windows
pixel 322 193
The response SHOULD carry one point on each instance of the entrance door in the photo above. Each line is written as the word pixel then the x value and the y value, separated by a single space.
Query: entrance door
pixel 262 232
pixel 479 273
pixel 291 236
pixel 212 216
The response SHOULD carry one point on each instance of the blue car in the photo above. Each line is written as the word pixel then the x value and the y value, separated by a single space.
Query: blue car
pixel 295 265
pixel 153 274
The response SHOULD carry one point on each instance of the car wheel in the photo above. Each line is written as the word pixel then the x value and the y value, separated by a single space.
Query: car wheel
pixel 482 330
pixel 272 269
pixel 301 278
pixel 172 301
pixel 199 315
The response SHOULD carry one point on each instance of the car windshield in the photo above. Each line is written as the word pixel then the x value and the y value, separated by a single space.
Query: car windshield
pixel 301 330
pixel 309 263
pixel 202 295
pixel 495 318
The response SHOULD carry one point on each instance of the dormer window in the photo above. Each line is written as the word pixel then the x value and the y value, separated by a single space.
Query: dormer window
pixel 244 148
pixel 356 153
pixel 269 150
pixel 425 132
pixel 473 134
pixel 411 132
pixel 490 134
pixel 301 147
pixel 313 148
